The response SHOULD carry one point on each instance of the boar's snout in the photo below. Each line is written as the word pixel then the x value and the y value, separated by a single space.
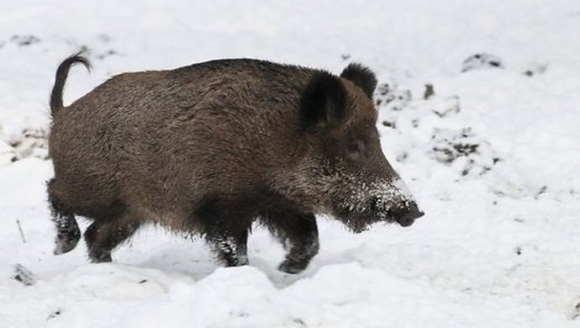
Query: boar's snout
pixel 409 217
pixel 404 213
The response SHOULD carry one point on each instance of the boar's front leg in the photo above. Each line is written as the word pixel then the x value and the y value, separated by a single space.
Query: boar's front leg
pixel 225 225
pixel 230 247
pixel 298 233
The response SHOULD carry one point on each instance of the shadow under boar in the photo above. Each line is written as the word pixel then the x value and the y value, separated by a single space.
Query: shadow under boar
pixel 210 148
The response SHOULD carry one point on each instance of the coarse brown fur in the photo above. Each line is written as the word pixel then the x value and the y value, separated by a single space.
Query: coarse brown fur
pixel 209 148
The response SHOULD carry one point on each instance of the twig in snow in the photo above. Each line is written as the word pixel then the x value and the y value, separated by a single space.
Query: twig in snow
pixel 21 232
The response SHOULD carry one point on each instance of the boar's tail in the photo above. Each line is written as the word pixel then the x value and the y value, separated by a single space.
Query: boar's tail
pixel 61 75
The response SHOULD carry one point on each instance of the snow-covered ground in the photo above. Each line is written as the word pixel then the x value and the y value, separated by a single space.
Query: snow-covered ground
pixel 493 158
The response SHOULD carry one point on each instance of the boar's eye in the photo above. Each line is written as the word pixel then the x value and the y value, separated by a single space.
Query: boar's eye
pixel 355 149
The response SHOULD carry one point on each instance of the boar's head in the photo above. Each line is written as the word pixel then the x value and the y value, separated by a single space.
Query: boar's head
pixel 348 175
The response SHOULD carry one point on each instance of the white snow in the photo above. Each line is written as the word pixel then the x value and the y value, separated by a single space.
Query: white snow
pixel 498 246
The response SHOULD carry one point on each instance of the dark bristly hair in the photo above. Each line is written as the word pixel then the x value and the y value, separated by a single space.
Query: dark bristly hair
pixel 361 76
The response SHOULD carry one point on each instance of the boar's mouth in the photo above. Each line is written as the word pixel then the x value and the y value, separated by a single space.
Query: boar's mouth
pixel 360 219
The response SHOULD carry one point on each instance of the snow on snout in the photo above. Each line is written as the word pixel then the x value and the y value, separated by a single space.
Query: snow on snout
pixel 385 195
pixel 394 194
pixel 398 191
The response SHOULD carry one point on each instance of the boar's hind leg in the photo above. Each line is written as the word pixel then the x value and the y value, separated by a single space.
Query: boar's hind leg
pixel 104 236
pixel 67 229
pixel 299 235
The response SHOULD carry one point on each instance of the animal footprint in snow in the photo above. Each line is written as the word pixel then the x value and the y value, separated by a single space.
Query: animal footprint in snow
pixel 481 61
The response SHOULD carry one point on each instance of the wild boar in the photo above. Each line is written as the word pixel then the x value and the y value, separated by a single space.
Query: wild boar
pixel 210 148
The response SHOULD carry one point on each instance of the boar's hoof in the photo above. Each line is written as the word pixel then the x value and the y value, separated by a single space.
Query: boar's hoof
pixel 100 257
pixel 68 232
pixel 292 267
pixel 65 243
pixel 234 261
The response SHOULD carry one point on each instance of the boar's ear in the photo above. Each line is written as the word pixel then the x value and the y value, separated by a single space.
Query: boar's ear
pixel 361 76
pixel 323 101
